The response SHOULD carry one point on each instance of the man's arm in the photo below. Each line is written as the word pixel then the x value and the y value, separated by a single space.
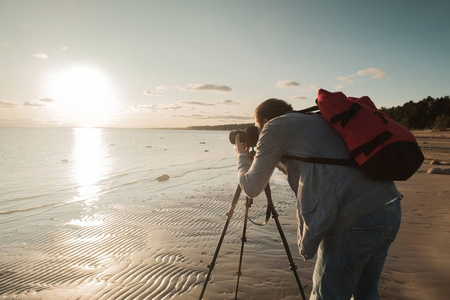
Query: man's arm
pixel 254 176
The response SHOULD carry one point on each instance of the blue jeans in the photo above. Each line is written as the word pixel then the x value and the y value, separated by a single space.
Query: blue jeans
pixel 350 263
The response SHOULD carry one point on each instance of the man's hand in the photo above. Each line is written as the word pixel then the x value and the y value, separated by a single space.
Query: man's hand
pixel 240 147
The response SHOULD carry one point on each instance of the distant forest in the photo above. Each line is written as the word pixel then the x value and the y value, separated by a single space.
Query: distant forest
pixel 429 113
pixel 227 127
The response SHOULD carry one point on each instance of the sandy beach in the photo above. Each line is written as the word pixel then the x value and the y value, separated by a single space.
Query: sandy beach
pixel 158 247
pixel 419 260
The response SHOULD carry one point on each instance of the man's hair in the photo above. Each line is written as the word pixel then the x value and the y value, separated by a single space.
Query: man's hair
pixel 271 108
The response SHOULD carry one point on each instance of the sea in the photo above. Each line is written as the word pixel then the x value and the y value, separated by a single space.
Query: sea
pixel 70 182
pixel 103 213
pixel 43 169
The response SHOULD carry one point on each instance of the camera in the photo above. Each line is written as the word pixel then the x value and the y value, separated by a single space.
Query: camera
pixel 249 136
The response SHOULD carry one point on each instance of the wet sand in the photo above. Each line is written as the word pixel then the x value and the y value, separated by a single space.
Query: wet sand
pixel 159 247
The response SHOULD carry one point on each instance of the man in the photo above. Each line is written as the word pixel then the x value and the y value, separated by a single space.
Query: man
pixel 345 217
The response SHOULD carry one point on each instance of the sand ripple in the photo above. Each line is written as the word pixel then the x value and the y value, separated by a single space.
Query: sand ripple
pixel 146 249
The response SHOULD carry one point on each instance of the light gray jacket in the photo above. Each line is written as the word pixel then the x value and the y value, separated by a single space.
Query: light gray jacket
pixel 330 198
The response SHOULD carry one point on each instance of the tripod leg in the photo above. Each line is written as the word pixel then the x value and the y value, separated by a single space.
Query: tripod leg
pixel 248 204
pixel 213 261
pixel 283 238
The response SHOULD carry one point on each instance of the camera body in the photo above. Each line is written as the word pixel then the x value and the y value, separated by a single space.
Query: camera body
pixel 249 136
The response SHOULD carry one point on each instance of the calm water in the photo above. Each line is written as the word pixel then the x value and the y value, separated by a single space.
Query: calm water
pixel 82 216
pixel 44 170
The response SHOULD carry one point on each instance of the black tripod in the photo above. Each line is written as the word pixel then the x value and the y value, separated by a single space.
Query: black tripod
pixel 248 204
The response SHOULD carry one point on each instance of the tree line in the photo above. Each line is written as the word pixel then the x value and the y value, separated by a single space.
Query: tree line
pixel 429 113
pixel 226 127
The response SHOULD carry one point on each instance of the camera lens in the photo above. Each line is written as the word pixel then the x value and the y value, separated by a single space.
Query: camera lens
pixel 233 134
pixel 249 136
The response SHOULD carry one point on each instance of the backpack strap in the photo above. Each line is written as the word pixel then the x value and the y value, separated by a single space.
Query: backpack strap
pixel 345 116
pixel 326 160
pixel 368 147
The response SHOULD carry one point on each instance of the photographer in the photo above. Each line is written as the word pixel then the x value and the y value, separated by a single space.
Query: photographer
pixel 346 218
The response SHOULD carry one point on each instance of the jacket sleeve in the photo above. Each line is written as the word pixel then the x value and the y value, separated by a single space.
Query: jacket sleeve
pixel 254 176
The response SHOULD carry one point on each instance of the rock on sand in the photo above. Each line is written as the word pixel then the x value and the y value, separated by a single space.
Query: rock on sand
pixel 163 177
pixel 439 171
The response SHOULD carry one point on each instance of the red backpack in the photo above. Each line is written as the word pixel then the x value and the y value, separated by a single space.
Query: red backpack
pixel 381 147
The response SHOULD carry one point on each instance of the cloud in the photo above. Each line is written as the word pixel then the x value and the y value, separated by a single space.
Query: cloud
pixel 152 93
pixel 32 104
pixel 208 87
pixel 347 79
pixel 144 107
pixel 152 107
pixel 287 84
pixel 7 104
pixel 198 103
pixel 195 116
pixel 40 55
pixel 48 100
pixel 155 107
pixel 228 102
pixel 172 107
pixel 222 102
pixel 300 98
pixel 29 104
pixel 187 105
pixel 159 90
pixel 377 73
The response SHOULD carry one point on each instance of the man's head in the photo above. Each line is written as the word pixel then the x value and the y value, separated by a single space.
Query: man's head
pixel 269 109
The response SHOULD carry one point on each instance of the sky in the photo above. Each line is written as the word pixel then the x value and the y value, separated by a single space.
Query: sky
pixel 178 63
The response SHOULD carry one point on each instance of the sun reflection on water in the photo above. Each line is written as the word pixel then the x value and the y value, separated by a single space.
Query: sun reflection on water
pixel 89 154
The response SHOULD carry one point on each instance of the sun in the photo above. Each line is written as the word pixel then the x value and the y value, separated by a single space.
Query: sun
pixel 83 94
